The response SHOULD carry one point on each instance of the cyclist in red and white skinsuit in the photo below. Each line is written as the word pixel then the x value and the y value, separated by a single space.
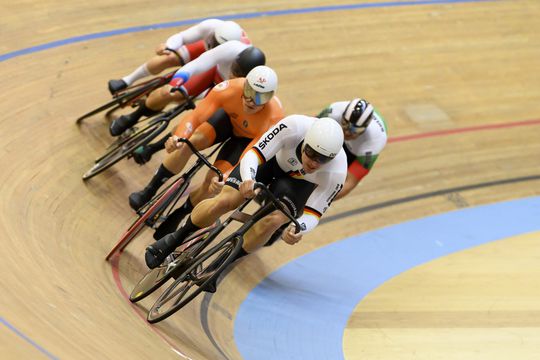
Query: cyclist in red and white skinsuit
pixel 229 60
pixel 182 48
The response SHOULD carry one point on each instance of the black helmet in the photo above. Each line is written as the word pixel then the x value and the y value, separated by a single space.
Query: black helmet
pixel 247 60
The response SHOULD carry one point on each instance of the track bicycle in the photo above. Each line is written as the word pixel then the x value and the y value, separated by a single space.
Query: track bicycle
pixel 196 269
pixel 142 134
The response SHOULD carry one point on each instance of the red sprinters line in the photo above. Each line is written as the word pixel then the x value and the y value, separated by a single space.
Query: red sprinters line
pixel 463 130
pixel 116 275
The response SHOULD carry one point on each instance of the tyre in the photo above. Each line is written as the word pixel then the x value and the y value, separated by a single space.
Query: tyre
pixel 174 266
pixel 204 270
pixel 163 202
pixel 151 212
pixel 126 147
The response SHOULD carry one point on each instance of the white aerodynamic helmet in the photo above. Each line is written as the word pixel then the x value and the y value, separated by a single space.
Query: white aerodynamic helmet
pixel 323 140
pixel 261 84
pixel 228 30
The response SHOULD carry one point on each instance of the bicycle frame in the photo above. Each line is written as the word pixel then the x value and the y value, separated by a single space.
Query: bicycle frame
pixel 248 220
pixel 129 96
pixel 162 199
pixel 159 82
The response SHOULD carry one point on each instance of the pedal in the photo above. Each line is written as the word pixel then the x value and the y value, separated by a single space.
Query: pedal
pixel 127 133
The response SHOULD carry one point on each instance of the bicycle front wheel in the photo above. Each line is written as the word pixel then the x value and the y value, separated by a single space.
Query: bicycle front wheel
pixel 124 98
pixel 204 270
pixel 175 265
pixel 126 147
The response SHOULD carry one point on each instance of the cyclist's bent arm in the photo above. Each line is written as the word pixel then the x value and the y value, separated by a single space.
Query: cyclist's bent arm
pixel 194 33
pixel 209 59
pixel 328 186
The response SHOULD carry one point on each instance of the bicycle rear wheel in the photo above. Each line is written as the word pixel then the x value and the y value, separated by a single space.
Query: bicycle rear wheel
pixel 127 146
pixel 205 268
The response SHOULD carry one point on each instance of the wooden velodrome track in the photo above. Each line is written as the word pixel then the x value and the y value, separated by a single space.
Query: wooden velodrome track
pixel 459 86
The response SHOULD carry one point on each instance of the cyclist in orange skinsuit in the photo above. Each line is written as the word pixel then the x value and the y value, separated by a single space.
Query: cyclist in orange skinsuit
pixel 240 109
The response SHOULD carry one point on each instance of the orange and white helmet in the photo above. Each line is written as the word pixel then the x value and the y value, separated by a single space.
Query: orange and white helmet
pixel 261 84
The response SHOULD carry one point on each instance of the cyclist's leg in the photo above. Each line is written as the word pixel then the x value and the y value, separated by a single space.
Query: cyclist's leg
pixel 160 98
pixel 155 65
pixel 144 153
pixel 172 165
pixel 175 162
pixel 220 128
pixel 124 122
pixel 259 234
pixel 204 214
pixel 176 56
pixel 200 193
pixel 139 198
pixel 294 194
pixel 158 63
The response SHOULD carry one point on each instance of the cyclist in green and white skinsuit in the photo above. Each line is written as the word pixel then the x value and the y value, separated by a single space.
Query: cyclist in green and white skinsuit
pixel 365 137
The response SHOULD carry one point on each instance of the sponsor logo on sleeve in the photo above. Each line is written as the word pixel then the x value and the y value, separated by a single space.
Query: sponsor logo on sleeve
pixel 234 180
pixel 271 135
pixel 221 86
pixel 334 194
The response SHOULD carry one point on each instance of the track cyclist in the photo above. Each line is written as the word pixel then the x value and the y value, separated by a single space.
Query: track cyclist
pixel 303 160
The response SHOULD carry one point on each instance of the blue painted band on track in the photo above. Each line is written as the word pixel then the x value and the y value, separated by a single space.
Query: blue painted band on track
pixel 301 310
pixel 250 15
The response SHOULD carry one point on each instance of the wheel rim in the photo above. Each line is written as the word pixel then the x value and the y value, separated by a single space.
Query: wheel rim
pixel 154 278
pixel 191 282
pixel 124 149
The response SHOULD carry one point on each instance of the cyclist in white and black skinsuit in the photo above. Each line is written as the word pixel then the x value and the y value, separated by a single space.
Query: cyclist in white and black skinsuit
pixel 183 47
pixel 303 160
pixel 365 137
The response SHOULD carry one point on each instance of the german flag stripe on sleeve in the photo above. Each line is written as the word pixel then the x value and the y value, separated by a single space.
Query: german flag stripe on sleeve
pixel 262 160
pixel 311 211
pixel 296 173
